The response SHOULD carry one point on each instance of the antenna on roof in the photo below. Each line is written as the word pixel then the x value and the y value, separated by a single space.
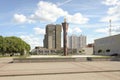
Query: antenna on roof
pixel 110 28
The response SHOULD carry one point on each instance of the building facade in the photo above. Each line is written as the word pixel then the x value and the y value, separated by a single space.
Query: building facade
pixel 76 42
pixel 52 38
pixel 107 45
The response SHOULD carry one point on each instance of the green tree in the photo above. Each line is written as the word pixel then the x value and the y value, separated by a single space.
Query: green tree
pixel 1 45
pixel 13 45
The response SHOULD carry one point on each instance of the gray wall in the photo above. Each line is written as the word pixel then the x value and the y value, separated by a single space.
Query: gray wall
pixel 111 43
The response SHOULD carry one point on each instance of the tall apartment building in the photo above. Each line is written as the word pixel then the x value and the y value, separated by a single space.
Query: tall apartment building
pixel 76 42
pixel 52 38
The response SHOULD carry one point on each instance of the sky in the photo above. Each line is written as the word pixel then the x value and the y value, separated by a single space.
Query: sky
pixel 27 19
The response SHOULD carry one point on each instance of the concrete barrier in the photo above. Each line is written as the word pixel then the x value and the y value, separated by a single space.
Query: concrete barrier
pixel 64 59
pixel 98 58
pixel 115 58
pixel 23 60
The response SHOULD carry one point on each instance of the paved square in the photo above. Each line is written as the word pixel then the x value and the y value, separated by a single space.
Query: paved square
pixel 96 70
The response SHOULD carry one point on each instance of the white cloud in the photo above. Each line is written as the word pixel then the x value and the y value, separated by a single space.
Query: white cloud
pixel 32 40
pixel 113 18
pixel 77 18
pixel 77 29
pixel 102 30
pixel 20 18
pixel 74 30
pixel 113 11
pixel 113 14
pixel 110 2
pixel 39 30
pixel 70 30
pixel 47 11
pixel 114 30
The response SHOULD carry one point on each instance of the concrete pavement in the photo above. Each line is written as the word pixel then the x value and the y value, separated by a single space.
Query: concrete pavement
pixel 99 70
pixel 87 76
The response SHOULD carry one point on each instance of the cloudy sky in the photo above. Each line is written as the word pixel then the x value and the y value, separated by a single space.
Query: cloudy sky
pixel 27 18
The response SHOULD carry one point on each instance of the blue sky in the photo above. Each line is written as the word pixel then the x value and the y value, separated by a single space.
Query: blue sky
pixel 27 18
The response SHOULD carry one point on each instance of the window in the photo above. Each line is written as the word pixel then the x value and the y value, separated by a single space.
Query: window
pixel 99 51
pixel 108 50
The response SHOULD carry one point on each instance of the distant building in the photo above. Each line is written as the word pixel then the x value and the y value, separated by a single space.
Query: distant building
pixel 44 51
pixel 86 51
pixel 52 38
pixel 76 42
pixel 90 45
pixel 107 45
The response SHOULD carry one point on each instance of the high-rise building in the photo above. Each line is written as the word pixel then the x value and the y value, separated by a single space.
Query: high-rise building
pixel 76 42
pixel 52 38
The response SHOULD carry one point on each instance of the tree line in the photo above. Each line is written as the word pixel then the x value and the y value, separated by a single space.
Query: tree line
pixel 13 45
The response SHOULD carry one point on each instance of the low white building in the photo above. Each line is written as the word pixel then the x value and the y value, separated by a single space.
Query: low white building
pixel 88 50
pixel 107 45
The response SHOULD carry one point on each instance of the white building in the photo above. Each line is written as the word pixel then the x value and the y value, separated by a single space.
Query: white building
pixel 107 45
pixel 76 42
pixel 86 51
